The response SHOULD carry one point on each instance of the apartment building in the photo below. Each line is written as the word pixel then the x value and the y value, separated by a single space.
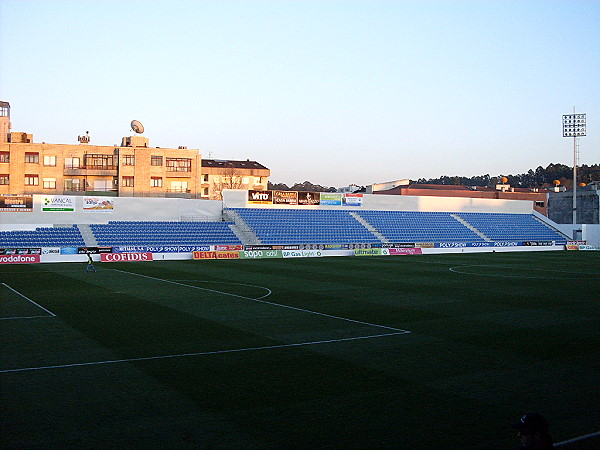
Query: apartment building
pixel 218 175
pixel 133 169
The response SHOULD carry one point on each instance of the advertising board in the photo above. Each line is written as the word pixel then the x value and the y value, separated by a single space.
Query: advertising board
pixel 21 203
pixel 371 251
pixel 98 204
pixel 328 198
pixel 302 253
pixel 260 197
pixel 19 259
pixel 405 251
pixel 260 254
pixel 216 255
pixel 124 257
pixel 285 197
pixel 353 199
pixel 309 198
pixel 61 203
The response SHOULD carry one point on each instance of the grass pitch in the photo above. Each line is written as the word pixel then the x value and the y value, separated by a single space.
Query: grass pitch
pixel 387 352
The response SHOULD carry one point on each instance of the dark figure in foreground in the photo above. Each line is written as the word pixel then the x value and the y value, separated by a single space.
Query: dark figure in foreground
pixel 533 432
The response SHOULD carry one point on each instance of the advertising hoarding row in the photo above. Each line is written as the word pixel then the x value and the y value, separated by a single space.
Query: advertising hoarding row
pixel 301 198
pixel 56 203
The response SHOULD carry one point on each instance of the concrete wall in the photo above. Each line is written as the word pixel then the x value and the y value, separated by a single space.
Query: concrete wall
pixel 589 232
pixel 124 208
pixel 560 206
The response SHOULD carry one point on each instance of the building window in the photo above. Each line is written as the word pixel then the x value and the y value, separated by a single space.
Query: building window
pixel 179 164
pixel 539 204
pixel 156 160
pixel 179 186
pixel 128 181
pixel 129 160
pixel 205 192
pixel 4 157
pixel 4 178
pixel 33 158
pixel 49 183
pixel 99 161
pixel 32 180
pixel 156 182
pixel 72 163
pixel 72 185
pixel 50 161
pixel 205 178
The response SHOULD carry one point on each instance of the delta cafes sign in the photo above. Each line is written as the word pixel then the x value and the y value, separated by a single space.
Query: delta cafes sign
pixel 126 257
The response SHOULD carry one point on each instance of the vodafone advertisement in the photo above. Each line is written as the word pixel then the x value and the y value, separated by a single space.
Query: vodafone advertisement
pixel 126 257
pixel 19 259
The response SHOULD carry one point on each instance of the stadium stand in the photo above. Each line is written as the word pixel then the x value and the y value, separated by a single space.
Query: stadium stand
pixel 301 226
pixel 294 226
pixel 117 233
pixel 416 226
pixel 512 227
pixel 43 237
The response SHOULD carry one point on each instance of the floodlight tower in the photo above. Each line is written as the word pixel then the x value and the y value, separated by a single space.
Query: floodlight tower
pixel 574 126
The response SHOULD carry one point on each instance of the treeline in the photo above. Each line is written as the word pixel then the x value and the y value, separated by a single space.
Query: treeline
pixel 307 186
pixel 540 177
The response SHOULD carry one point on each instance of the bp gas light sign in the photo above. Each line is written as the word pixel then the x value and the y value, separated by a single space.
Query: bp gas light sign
pixel 58 203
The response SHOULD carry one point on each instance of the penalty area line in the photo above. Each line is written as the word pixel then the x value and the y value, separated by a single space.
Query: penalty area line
pixel 29 300
pixel 214 352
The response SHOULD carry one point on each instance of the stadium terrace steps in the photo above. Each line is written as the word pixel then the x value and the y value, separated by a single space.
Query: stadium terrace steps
pixel 370 227
pixel 88 235
pixel 241 228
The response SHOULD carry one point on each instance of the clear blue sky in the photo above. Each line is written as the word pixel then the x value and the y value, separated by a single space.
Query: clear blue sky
pixel 334 92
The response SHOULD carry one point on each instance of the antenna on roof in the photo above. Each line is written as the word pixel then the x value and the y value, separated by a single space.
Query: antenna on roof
pixel 84 139
pixel 137 126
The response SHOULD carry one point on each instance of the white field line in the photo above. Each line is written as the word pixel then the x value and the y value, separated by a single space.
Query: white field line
pixel 577 439
pixel 216 352
pixel 29 300
pixel 26 317
pixel 266 302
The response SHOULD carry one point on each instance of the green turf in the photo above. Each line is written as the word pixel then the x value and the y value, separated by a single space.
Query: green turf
pixel 492 336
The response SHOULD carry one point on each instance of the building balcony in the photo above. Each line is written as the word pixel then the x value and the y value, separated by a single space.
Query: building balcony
pixel 178 174
pixel 91 171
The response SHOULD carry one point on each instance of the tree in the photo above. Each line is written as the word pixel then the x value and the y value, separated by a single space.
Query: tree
pixel 229 178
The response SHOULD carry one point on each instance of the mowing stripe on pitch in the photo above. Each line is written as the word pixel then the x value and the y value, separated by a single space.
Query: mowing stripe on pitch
pixel 215 352
pixel 308 311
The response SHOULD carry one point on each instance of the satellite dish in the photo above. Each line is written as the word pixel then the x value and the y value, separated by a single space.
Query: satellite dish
pixel 137 126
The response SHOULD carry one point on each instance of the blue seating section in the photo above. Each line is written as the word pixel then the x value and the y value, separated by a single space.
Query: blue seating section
pixel 419 226
pixel 305 226
pixel 42 237
pixel 117 233
pixel 512 227
pixel 295 226
pixel 302 226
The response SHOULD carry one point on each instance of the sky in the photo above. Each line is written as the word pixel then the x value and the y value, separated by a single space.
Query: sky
pixel 333 92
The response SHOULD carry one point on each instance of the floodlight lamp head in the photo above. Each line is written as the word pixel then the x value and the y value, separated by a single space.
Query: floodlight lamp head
pixel 137 126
